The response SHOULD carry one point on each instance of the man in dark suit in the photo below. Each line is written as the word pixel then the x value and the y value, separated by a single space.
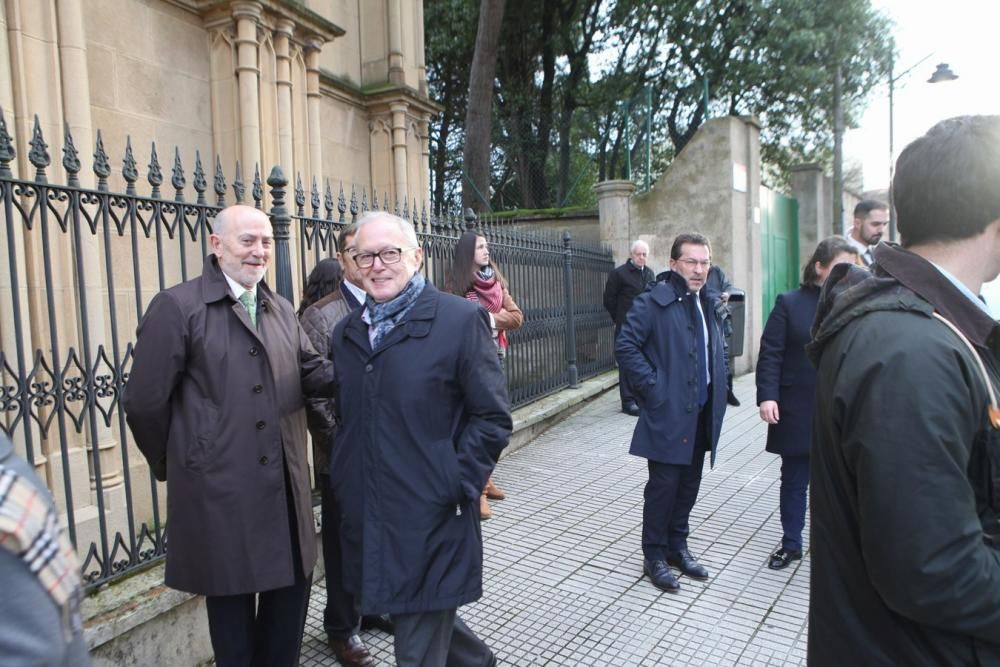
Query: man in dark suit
pixel 408 473
pixel 671 351
pixel 624 284
pixel 215 400
pixel 870 220
pixel 350 287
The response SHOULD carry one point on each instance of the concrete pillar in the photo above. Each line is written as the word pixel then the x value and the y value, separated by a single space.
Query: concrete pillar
pixel 283 81
pixel 247 15
pixel 313 100
pixel 808 187
pixel 398 110
pixel 397 75
pixel 615 217
pixel 425 159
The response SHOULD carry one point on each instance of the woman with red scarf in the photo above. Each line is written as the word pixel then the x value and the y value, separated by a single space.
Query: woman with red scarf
pixel 477 278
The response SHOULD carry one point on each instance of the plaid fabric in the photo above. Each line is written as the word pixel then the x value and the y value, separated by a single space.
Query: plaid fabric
pixel 29 528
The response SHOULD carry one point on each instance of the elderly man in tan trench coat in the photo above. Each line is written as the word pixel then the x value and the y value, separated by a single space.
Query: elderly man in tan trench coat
pixel 215 402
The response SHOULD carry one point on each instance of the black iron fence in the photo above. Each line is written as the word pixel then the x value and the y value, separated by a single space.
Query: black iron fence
pixel 81 264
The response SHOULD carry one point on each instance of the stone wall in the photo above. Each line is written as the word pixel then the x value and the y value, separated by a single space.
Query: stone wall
pixel 712 187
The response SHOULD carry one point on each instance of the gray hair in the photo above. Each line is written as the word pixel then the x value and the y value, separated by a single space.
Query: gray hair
pixel 404 225
pixel 639 243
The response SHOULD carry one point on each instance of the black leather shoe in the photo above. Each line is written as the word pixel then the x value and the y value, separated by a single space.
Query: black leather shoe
pixel 631 408
pixel 731 399
pixel 659 573
pixel 352 652
pixel 685 562
pixel 781 559
pixel 378 622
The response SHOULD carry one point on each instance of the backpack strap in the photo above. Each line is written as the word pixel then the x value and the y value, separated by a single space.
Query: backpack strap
pixel 992 410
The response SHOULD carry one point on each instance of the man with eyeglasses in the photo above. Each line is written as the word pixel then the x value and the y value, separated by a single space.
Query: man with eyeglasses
pixel 424 416
pixel 671 349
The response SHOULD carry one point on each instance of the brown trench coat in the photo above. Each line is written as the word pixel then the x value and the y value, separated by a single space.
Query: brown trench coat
pixel 217 408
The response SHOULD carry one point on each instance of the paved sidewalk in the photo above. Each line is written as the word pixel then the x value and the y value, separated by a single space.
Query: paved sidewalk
pixel 563 582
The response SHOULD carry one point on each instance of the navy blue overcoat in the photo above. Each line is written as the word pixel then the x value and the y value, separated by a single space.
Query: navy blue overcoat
pixel 784 373
pixel 423 420
pixel 656 352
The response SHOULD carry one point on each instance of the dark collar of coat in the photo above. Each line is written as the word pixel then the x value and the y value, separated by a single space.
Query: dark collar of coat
pixel 922 277
pixel 215 287
pixel 670 286
pixel 416 323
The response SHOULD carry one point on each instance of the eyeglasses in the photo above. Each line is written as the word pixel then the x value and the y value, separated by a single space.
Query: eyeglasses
pixel 691 263
pixel 366 260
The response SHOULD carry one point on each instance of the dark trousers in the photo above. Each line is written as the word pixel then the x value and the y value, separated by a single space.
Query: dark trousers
pixel 438 639
pixel 794 484
pixel 623 387
pixel 340 617
pixel 262 629
pixel 670 493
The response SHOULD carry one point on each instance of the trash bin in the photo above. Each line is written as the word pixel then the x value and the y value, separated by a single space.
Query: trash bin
pixel 737 309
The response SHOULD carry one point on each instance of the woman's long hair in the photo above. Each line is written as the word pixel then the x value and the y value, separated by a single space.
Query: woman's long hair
pixel 825 253
pixel 464 268
pixel 323 279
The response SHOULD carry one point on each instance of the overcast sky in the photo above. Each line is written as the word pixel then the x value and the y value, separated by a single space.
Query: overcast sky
pixel 963 33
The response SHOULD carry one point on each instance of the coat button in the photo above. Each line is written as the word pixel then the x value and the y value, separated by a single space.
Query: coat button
pixel 254 351
pixel 263 460
pixel 257 388
pixel 369 368
pixel 261 425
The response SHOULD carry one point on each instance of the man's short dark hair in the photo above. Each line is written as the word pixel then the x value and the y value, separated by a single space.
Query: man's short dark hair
pixel 866 206
pixel 346 233
pixel 694 239
pixel 947 185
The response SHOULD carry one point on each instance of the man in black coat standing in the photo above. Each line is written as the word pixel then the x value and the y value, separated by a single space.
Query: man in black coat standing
pixel 624 284
pixel 425 415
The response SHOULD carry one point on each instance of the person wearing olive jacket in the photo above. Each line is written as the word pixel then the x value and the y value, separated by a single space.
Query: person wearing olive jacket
pixel 905 461
pixel 215 401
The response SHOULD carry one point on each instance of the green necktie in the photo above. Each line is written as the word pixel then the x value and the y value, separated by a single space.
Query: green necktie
pixel 249 301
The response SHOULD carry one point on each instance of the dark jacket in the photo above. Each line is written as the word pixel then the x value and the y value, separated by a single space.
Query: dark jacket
pixel 624 283
pixel 784 373
pixel 216 407
pixel 656 352
pixel 318 321
pixel 424 419
pixel 905 472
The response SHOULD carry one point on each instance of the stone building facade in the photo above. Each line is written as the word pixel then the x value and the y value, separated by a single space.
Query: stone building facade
pixel 333 91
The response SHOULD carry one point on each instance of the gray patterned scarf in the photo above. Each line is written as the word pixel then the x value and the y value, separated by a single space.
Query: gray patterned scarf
pixel 383 317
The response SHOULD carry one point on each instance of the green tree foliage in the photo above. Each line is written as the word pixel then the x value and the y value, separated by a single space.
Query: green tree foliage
pixel 579 80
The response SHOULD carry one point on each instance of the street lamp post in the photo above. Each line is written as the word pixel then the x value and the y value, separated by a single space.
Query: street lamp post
pixel 942 73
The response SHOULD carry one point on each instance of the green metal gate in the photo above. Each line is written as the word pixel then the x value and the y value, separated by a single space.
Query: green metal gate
pixel 779 220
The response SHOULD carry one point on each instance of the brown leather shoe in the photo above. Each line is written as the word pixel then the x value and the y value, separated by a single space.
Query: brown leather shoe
pixel 352 652
pixel 484 509
pixel 494 492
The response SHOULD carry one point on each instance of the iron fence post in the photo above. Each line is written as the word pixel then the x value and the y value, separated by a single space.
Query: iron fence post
pixel 280 220
pixel 470 219
pixel 571 370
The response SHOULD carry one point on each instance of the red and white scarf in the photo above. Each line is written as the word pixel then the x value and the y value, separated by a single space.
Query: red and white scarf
pixel 488 292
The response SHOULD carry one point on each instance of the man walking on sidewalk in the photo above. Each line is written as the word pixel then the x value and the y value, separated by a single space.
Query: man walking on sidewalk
pixel 624 284
pixel 671 352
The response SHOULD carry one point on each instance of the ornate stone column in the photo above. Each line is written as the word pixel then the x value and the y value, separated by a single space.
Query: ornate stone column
pixel 282 49
pixel 247 16
pixel 398 110
pixel 313 101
